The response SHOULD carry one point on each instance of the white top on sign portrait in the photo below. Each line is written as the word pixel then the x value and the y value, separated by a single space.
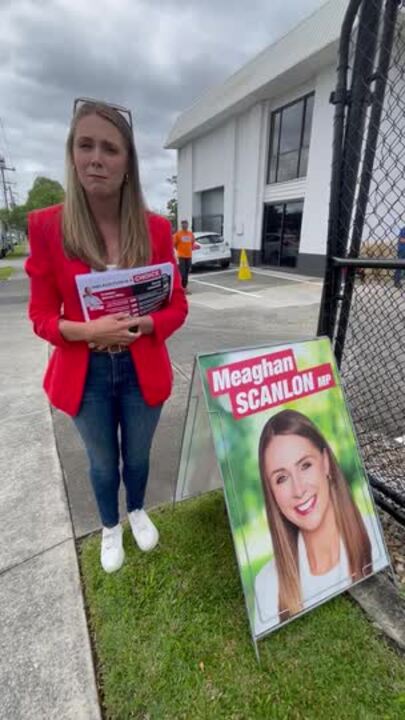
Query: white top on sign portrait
pixel 314 588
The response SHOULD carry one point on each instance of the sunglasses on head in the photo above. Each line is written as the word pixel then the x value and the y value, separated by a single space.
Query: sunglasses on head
pixel 124 112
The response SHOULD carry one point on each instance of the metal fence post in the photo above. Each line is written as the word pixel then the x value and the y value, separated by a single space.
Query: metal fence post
pixel 340 99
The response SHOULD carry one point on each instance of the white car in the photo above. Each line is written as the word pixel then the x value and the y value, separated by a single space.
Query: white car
pixel 210 247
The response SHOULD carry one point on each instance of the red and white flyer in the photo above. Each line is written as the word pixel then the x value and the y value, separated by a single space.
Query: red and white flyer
pixel 136 291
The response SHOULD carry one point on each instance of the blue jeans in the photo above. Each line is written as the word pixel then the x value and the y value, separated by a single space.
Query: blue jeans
pixel 112 401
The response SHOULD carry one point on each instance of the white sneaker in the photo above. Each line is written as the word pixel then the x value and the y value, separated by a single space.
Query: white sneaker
pixel 112 552
pixel 145 533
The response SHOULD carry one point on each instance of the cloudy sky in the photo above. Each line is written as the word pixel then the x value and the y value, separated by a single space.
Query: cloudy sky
pixel 154 56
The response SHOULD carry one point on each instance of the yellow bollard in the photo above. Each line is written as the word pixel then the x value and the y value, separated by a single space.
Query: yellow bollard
pixel 244 269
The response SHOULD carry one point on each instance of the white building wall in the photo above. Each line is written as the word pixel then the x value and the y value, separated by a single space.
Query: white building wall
pixel 234 156
pixel 212 155
pixel 248 182
pixel 212 166
pixel 230 157
pixel 185 183
pixel 316 207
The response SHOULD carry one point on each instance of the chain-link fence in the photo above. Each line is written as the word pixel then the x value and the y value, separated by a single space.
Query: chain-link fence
pixel 363 307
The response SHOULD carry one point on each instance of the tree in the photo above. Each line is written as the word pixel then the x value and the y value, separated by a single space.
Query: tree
pixel 17 217
pixel 4 215
pixel 172 203
pixel 43 193
pixel 14 219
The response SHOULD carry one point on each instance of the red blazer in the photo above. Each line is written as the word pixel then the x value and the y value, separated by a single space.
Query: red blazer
pixel 53 295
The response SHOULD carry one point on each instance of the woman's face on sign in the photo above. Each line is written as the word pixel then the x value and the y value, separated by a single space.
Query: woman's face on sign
pixel 297 473
pixel 100 156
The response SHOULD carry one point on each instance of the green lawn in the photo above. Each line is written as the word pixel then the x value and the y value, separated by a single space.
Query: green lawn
pixel 173 642
pixel 6 272
pixel 18 251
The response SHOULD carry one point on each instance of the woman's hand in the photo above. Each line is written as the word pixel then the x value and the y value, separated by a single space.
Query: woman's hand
pixel 119 329
pixel 142 326
pixel 111 330
pixel 107 330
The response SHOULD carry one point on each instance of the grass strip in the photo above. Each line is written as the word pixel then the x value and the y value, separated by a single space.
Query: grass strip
pixel 6 272
pixel 173 642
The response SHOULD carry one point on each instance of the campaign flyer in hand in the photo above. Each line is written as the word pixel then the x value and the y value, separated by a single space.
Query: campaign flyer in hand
pixel 135 291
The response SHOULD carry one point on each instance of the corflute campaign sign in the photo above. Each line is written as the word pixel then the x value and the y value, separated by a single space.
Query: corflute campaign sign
pixel 300 507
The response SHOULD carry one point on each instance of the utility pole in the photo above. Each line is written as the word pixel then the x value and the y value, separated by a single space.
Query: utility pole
pixel 11 194
pixel 3 168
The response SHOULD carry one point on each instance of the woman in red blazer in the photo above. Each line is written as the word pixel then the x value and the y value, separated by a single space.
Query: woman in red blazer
pixel 112 374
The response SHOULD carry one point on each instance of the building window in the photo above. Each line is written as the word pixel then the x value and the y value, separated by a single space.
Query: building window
pixel 281 233
pixel 289 140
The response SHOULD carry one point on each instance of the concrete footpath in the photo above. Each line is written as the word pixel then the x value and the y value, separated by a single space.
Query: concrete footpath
pixel 46 668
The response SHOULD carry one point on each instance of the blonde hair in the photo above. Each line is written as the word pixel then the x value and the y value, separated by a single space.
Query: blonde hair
pixel 81 236
pixel 285 534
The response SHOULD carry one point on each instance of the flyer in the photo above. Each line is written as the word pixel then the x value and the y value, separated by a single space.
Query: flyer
pixel 135 291
pixel 301 511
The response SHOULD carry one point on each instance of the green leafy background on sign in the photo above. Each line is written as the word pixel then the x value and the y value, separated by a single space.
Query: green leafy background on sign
pixel 236 443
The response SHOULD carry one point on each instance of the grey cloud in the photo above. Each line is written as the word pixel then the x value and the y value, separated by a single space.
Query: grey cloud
pixel 156 64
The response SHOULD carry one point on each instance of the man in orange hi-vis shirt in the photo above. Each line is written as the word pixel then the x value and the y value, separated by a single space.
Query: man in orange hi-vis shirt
pixel 183 242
